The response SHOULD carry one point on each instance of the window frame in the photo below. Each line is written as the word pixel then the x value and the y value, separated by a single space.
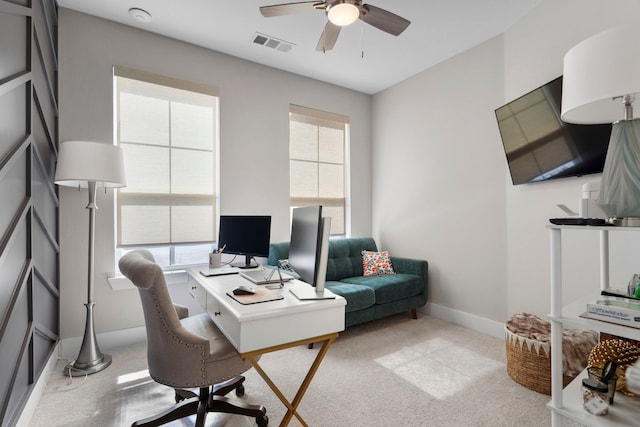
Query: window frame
pixel 168 255
pixel 329 120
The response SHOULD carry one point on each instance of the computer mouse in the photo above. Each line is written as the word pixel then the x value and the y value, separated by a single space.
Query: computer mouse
pixel 244 290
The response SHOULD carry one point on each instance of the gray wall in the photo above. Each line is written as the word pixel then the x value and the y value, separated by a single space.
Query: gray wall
pixel 254 134
pixel 435 187
pixel 438 173
pixel 29 283
pixel 442 190
pixel 534 51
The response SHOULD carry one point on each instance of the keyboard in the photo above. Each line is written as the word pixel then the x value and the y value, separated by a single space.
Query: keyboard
pixel 578 221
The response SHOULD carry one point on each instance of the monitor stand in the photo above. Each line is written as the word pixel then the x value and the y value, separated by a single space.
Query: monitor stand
pixel 247 263
pixel 304 292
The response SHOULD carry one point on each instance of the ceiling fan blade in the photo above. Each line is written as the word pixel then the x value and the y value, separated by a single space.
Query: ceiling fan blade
pixel 328 37
pixel 292 8
pixel 384 20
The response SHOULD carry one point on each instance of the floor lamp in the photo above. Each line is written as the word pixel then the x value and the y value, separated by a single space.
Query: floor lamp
pixel 600 84
pixel 89 165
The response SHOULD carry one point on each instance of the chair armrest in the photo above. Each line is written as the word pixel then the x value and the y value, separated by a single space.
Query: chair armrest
pixel 181 310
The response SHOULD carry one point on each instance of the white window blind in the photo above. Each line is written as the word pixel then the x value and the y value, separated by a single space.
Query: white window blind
pixel 167 129
pixel 317 145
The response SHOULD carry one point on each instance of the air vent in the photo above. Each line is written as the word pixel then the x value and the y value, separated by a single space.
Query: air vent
pixel 272 42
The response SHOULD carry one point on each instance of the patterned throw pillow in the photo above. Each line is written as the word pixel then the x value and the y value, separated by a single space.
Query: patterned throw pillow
pixel 374 263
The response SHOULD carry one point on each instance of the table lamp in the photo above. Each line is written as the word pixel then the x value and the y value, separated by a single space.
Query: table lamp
pixel 89 165
pixel 600 84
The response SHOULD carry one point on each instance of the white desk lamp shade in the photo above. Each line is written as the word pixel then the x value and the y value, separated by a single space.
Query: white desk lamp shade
pixel 81 162
pixel 601 81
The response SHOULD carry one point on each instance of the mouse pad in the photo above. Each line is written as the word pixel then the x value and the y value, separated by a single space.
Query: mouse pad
pixel 261 295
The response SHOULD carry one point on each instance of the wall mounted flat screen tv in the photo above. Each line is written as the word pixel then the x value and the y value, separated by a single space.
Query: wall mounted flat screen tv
pixel 539 146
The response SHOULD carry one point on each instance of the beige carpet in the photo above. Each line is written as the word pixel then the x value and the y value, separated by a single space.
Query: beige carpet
pixel 392 372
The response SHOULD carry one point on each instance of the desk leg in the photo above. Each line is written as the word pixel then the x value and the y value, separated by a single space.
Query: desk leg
pixel 292 406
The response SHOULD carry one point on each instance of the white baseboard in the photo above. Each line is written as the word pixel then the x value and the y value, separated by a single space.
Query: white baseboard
pixel 70 347
pixel 37 391
pixel 467 320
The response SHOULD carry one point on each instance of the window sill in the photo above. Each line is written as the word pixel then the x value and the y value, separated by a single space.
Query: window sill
pixel 121 283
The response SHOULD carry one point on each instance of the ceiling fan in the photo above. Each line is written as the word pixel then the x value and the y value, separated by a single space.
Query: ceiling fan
pixel 341 13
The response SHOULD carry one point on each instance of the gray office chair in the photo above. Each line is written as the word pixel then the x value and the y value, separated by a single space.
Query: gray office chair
pixel 186 352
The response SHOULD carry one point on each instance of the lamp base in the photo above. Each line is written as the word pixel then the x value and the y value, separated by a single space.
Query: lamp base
pixel 80 369
pixel 624 222
pixel 90 359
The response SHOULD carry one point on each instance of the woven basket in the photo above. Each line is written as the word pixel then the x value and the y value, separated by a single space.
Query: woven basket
pixel 529 363
pixel 529 360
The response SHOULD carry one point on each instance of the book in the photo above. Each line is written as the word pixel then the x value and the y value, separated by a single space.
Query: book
pixel 618 293
pixel 617 310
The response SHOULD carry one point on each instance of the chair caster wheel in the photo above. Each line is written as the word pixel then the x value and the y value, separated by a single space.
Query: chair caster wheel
pixel 262 421
pixel 240 391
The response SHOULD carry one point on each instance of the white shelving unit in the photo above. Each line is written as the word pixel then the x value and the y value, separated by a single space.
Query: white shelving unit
pixel 566 405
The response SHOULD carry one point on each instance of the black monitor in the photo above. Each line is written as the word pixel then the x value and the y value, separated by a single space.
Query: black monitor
pixel 246 235
pixel 309 246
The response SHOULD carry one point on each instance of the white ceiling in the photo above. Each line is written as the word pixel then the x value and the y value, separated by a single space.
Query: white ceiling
pixel 364 58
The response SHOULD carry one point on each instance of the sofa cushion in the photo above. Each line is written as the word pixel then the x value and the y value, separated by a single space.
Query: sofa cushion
pixel 374 263
pixel 389 287
pixel 358 297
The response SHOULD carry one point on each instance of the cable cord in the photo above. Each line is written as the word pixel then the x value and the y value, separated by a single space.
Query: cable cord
pixel 68 369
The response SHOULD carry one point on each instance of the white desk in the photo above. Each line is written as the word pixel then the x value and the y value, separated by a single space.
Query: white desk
pixel 256 329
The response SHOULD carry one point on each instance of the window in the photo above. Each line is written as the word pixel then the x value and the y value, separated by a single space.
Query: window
pixel 168 131
pixel 317 147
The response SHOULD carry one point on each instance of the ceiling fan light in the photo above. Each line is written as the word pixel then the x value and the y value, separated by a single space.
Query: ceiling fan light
pixel 343 14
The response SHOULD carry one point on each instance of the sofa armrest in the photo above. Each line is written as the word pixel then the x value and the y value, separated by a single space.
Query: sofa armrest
pixel 414 266
pixel 418 267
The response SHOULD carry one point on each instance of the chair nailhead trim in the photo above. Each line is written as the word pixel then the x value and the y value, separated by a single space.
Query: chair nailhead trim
pixel 203 354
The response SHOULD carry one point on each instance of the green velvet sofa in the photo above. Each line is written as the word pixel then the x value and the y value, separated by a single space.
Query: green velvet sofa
pixel 370 297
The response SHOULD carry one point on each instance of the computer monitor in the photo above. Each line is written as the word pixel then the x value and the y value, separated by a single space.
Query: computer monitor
pixel 246 235
pixel 321 271
pixel 309 250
